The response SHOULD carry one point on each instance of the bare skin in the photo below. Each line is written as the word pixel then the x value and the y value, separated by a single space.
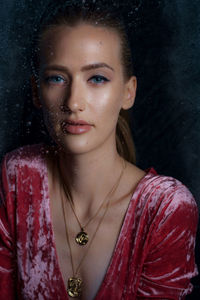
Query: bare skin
pixel 89 162
pixel 96 262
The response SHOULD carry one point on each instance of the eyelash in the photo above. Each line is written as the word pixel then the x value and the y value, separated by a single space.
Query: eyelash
pixel 102 78
pixel 56 79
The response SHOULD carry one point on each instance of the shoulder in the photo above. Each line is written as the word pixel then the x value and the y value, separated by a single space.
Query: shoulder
pixel 168 221
pixel 154 192
pixel 167 187
pixel 167 198
pixel 27 156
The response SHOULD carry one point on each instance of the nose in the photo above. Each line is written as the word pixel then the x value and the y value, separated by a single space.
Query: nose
pixel 74 100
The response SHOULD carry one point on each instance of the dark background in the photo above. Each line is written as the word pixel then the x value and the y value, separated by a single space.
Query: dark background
pixel 165 118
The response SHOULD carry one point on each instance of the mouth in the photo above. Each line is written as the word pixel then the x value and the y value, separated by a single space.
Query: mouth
pixel 75 127
pixel 78 122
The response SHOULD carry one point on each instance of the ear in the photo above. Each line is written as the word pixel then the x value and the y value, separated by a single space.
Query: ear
pixel 35 96
pixel 130 93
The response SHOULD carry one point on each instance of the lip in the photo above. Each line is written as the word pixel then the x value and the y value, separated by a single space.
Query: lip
pixel 75 127
pixel 78 122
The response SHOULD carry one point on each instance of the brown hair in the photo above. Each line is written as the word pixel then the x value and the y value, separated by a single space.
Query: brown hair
pixel 101 15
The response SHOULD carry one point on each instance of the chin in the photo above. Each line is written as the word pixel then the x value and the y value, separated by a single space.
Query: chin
pixel 73 145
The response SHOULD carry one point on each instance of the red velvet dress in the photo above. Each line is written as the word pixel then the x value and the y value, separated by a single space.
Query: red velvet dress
pixel 153 257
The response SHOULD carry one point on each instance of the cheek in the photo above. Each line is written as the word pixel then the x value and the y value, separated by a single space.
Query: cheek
pixel 108 102
pixel 51 98
pixel 51 120
pixel 51 111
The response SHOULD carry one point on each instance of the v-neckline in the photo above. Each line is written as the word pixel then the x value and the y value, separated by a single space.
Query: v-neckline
pixel 118 240
pixel 123 230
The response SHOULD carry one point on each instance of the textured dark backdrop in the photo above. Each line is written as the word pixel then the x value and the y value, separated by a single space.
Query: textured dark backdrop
pixel 166 51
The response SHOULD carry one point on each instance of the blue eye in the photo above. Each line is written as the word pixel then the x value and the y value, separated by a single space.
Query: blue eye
pixel 98 79
pixel 55 79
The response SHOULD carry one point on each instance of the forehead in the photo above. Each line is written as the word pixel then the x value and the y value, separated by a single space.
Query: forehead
pixel 82 44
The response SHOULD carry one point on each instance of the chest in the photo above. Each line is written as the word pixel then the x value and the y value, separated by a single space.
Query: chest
pixel 92 261
pixel 44 257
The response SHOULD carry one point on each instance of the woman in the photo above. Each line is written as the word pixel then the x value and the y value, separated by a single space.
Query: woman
pixel 79 220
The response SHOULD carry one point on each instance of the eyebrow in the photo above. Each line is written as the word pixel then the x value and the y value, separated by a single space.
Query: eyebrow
pixel 96 66
pixel 84 68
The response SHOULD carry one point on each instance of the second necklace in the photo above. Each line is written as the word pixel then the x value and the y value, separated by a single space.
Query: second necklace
pixel 75 283
pixel 82 237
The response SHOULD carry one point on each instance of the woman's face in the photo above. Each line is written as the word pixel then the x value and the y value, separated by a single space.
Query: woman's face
pixel 82 87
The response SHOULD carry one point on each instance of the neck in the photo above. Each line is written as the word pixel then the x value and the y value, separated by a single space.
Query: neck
pixel 90 176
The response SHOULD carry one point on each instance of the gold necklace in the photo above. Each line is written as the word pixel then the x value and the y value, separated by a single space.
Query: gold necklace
pixel 82 237
pixel 74 286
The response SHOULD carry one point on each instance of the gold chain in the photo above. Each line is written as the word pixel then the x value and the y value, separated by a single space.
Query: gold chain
pixel 87 223
pixel 74 283
pixel 82 237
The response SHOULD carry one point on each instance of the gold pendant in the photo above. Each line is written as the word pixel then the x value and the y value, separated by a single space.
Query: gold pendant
pixel 74 288
pixel 82 238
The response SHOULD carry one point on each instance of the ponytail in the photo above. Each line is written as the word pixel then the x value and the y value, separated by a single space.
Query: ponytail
pixel 125 144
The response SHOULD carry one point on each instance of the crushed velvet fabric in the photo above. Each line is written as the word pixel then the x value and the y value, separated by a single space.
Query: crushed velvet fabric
pixel 154 253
